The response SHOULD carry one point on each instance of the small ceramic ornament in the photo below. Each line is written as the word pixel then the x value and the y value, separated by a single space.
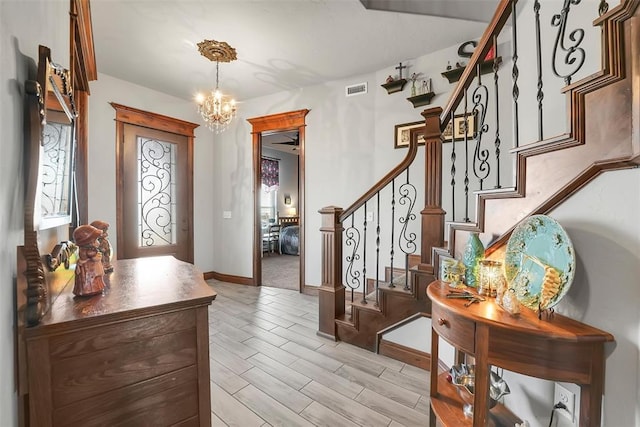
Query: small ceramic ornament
pixel 452 272
pixel 510 302
pixel 501 288
pixel 104 245
pixel 473 253
pixel 89 270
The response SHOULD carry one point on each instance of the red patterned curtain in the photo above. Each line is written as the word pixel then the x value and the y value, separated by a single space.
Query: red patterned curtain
pixel 270 174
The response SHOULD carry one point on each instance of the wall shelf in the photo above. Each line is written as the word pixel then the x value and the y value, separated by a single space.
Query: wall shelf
pixel 394 86
pixel 422 99
pixel 454 75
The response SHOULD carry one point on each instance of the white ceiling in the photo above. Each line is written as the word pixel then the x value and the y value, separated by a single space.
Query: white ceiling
pixel 281 44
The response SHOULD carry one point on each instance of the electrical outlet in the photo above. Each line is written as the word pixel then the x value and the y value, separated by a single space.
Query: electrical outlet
pixel 567 398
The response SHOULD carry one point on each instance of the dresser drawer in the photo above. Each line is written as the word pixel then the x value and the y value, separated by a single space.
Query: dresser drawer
pixel 455 329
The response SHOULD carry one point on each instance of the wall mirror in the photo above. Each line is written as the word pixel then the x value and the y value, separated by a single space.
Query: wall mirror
pixel 58 142
pixel 49 174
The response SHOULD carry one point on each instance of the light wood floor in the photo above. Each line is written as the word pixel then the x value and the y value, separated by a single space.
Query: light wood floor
pixel 268 367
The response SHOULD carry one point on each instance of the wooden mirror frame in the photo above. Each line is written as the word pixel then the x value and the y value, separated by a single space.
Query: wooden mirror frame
pixel 60 112
pixel 52 89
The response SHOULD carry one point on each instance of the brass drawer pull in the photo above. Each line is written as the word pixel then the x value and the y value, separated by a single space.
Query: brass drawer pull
pixel 442 322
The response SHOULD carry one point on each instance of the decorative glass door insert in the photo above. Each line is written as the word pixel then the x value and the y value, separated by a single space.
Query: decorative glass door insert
pixel 156 192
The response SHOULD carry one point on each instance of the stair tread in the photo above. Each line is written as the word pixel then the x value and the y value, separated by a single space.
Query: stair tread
pixel 369 305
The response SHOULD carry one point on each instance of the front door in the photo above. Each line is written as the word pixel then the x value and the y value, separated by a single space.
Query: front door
pixel 155 195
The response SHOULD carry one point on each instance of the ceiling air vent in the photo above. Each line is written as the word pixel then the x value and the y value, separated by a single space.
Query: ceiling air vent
pixel 357 89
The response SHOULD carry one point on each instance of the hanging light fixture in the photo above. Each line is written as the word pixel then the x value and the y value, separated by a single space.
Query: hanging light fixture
pixel 216 109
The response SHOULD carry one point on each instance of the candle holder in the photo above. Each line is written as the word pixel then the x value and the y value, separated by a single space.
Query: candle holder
pixel 490 277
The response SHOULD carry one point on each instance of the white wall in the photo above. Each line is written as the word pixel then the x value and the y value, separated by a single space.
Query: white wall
pixel 102 156
pixel 348 147
pixel 603 226
pixel 19 40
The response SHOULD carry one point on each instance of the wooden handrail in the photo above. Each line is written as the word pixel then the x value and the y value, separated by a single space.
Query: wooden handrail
pixel 394 173
pixel 503 11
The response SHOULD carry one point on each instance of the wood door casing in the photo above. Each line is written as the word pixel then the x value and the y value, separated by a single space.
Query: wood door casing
pixel 293 120
pixel 131 123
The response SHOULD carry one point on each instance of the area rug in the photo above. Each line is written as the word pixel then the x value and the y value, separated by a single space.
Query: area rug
pixel 281 271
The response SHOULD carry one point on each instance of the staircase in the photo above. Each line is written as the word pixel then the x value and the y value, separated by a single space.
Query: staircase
pixel 547 167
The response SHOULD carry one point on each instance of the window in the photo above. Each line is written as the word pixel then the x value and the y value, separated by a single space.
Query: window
pixel 268 205
pixel 269 193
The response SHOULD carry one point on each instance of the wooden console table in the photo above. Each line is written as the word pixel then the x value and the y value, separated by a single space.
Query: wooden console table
pixel 556 349
pixel 136 355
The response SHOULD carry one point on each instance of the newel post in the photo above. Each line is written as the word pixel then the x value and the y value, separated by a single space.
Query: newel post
pixel 331 292
pixel 432 214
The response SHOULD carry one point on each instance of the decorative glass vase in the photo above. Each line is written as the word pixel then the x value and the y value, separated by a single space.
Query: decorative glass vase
pixel 473 253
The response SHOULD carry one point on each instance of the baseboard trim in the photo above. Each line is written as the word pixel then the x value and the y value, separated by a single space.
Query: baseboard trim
pixel 228 278
pixel 408 355
pixel 311 290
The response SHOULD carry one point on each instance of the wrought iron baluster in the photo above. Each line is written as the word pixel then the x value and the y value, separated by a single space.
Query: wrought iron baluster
pixel 480 98
pixel 466 159
pixel 352 276
pixel 603 7
pixel 497 141
pixel 453 170
pixel 540 93
pixel 407 240
pixel 364 257
pixel 574 55
pixel 377 244
pixel 393 225
pixel 515 73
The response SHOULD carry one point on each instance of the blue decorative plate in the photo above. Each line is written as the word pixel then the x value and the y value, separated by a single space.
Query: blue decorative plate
pixel 540 262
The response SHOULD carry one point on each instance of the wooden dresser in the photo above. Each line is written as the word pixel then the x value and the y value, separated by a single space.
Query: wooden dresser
pixel 138 355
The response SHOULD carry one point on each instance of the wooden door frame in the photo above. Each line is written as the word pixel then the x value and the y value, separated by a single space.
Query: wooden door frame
pixel 292 120
pixel 133 116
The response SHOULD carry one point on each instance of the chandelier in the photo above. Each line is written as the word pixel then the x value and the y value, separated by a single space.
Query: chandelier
pixel 216 109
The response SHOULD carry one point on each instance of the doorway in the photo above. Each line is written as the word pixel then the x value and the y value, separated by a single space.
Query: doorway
pixel 279 218
pixel 290 123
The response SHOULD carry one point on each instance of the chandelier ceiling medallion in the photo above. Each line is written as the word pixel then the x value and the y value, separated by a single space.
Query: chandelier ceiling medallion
pixel 216 109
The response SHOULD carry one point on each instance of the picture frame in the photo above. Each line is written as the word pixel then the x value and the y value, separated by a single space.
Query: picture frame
pixel 455 129
pixel 409 131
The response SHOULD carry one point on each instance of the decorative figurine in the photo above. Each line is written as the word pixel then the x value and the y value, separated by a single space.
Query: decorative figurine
pixel 61 255
pixel 448 65
pixel 426 86
pixel 104 245
pixel 414 77
pixel 389 79
pixel 89 270
pixel 510 302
